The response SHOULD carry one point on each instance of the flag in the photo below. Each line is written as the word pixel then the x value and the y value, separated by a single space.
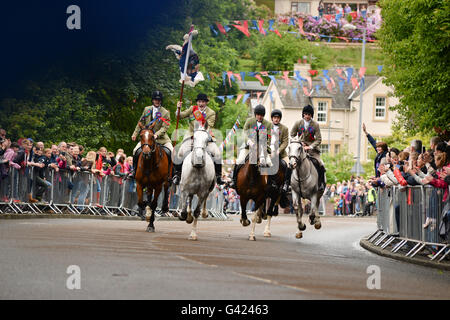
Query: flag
pixel 257 76
pixel 362 71
pixel 238 98
pixel 245 97
pixel 286 77
pixel 221 28
pixel 260 25
pixel 189 62
pixel 243 28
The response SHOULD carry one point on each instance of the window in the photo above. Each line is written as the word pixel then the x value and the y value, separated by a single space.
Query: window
pixel 322 107
pixel 337 148
pixel 323 148
pixel 380 108
pixel 300 7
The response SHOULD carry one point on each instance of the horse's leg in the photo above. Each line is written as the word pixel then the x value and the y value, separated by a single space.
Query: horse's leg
pixel 165 204
pixel 183 213
pixel 189 218
pixel 256 218
pixel 297 201
pixel 244 220
pixel 267 232
pixel 204 211
pixel 141 204
pixel 201 201
pixel 314 218
pixel 148 210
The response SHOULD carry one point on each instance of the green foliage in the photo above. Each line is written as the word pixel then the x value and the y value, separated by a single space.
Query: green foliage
pixel 415 39
pixel 338 166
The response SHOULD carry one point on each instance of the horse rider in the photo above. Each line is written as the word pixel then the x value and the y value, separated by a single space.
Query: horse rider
pixel 252 127
pixel 308 131
pixel 282 132
pixel 155 113
pixel 207 114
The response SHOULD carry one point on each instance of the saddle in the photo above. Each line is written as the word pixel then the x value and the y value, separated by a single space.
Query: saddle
pixel 316 164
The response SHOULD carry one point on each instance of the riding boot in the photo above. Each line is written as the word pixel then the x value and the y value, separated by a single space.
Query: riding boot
pixel 218 169
pixel 322 178
pixel 287 180
pixel 234 179
pixel 177 174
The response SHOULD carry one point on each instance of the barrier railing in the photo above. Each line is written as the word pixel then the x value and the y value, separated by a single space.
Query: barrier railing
pixel 408 221
pixel 84 193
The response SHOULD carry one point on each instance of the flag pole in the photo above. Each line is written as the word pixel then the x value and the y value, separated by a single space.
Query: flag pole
pixel 188 50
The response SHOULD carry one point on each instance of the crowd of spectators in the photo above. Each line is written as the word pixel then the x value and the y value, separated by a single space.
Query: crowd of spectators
pixel 29 157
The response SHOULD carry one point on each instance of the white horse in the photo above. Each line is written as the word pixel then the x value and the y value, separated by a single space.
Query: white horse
pixel 304 184
pixel 197 178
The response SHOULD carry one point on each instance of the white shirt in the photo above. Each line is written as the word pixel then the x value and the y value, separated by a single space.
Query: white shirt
pixel 307 124
pixel 155 111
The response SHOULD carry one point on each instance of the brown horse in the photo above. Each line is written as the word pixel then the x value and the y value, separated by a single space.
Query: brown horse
pixel 153 171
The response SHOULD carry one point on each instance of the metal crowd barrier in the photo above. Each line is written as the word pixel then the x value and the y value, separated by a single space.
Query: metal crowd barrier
pixel 84 193
pixel 408 221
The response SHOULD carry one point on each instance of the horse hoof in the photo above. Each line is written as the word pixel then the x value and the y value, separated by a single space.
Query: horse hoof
pixel 299 235
pixel 193 238
pixel 302 227
pixel 267 234
pixel 151 229
pixel 204 215
pixel 318 225
pixel 183 216
pixel 251 238
pixel 258 219
pixel 189 220
pixel 245 222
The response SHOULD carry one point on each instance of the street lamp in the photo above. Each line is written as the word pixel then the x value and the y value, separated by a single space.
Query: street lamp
pixel 357 167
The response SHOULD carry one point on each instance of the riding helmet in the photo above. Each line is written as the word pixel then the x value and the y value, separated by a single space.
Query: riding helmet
pixel 202 96
pixel 157 95
pixel 259 109
pixel 276 113
pixel 308 109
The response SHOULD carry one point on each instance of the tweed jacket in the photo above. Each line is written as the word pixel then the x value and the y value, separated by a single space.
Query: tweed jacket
pixel 311 136
pixel 210 119
pixel 283 139
pixel 160 127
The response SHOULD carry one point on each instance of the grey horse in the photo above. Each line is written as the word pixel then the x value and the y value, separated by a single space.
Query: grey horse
pixel 304 184
pixel 197 178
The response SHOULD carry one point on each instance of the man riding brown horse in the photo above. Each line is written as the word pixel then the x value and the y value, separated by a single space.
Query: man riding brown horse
pixel 159 117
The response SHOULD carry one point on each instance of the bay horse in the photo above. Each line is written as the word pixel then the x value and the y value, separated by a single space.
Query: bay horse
pixel 251 184
pixel 304 184
pixel 152 173
pixel 197 178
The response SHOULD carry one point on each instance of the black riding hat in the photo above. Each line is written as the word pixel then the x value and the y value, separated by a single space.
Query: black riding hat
pixel 276 113
pixel 308 109
pixel 202 96
pixel 259 109
pixel 157 95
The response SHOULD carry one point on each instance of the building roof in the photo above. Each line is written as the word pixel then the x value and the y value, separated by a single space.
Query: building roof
pixel 251 86
pixel 339 99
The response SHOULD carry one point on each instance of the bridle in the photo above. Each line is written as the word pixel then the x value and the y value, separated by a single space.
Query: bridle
pixel 297 159
pixel 152 147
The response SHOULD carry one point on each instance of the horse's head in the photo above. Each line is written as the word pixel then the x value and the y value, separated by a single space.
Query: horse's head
pixel 148 143
pixel 296 153
pixel 201 138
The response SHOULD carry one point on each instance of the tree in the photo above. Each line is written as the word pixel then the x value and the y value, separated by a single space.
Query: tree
pixel 415 39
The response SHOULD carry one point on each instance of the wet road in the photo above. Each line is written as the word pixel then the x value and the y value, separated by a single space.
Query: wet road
pixel 119 260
